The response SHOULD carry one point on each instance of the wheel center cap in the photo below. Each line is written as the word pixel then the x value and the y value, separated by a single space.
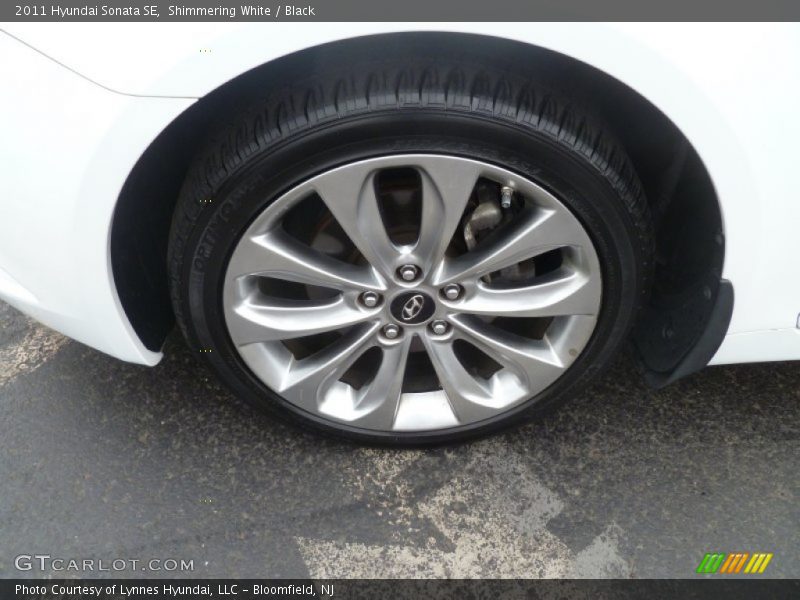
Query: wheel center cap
pixel 412 308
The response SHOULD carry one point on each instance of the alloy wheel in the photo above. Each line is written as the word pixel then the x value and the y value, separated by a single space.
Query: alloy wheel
pixel 412 292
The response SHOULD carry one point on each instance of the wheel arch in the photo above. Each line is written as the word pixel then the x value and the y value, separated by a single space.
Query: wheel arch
pixel 682 197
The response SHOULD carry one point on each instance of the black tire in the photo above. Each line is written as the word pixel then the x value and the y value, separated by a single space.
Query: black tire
pixel 396 106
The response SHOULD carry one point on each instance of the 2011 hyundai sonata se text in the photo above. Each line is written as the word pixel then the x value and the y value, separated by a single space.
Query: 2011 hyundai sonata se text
pixel 406 233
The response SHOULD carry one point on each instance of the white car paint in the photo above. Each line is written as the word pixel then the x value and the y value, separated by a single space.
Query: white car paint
pixel 75 120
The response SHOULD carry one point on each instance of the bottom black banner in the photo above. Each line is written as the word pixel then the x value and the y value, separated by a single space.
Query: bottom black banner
pixel 254 589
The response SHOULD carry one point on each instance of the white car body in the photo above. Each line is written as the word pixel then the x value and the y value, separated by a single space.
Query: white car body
pixel 75 119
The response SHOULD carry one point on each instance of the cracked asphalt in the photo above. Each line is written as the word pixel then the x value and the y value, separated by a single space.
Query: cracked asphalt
pixel 106 460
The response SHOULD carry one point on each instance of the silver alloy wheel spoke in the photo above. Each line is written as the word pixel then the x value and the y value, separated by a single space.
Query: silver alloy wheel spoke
pixel 313 382
pixel 326 376
pixel 277 254
pixel 351 198
pixel 573 293
pixel 469 398
pixel 534 234
pixel 446 187
pixel 306 381
pixel 535 362
pixel 259 320
pixel 378 400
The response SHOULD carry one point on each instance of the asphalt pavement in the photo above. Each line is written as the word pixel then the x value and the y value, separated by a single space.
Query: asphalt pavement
pixel 102 460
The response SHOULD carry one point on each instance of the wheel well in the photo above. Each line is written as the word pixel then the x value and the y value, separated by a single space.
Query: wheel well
pixel 689 241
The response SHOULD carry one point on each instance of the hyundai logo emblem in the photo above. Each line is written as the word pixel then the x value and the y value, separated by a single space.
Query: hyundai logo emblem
pixel 412 307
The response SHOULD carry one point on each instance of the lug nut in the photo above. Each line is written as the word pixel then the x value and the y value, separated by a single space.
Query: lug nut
pixel 391 331
pixel 439 327
pixel 370 299
pixel 408 272
pixel 452 291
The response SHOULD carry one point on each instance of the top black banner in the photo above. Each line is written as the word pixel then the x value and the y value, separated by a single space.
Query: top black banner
pixel 405 10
